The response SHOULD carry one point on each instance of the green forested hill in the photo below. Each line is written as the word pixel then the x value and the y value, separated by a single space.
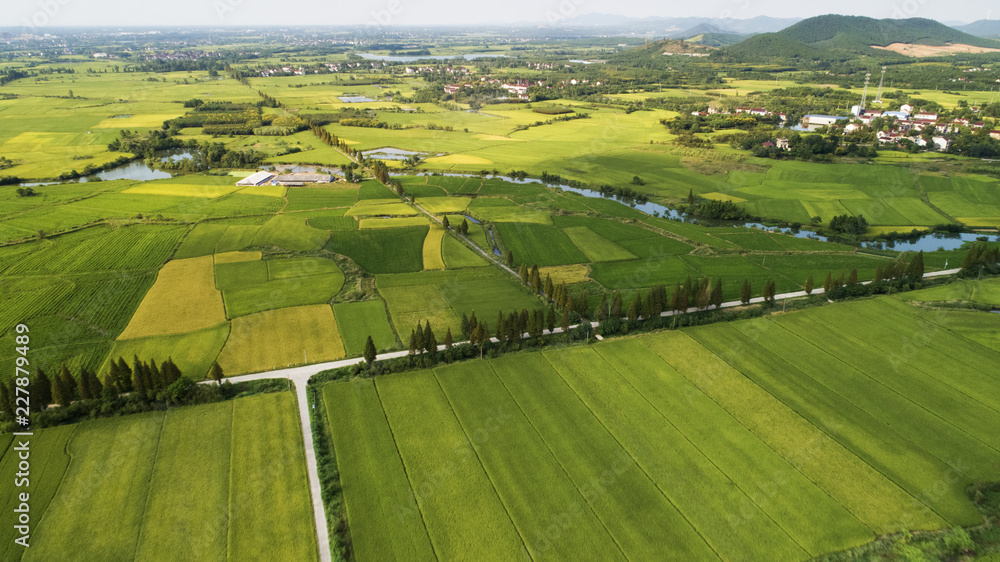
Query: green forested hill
pixel 834 37
pixel 856 32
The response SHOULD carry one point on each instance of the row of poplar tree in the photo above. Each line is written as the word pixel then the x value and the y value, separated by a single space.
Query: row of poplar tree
pixel 63 388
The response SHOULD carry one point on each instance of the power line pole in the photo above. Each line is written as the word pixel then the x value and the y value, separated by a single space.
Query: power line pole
pixel 878 96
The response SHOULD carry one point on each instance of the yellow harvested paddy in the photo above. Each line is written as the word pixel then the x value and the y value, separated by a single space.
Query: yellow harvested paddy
pixel 183 299
pixel 569 274
pixel 432 248
pixel 235 257
pixel 282 338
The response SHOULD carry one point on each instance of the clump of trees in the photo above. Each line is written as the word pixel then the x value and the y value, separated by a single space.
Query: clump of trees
pixel 982 258
pixel 849 225
pixel 719 210
pixel 141 386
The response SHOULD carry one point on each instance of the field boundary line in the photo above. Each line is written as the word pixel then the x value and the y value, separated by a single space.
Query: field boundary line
pixel 482 465
pixel 768 445
pixel 634 460
pixel 901 437
pixel 909 312
pixel 62 478
pixel 810 423
pixel 149 485
pixel 947 329
pixel 558 461
pixel 917 368
pixel 406 470
pixel 229 511
pixel 896 392
pixel 702 453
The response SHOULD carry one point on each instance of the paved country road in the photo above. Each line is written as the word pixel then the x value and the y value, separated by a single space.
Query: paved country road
pixel 299 376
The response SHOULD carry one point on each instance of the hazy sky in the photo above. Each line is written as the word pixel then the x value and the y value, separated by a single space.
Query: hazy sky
pixel 44 13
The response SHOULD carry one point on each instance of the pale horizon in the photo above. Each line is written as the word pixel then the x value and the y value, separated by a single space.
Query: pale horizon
pixel 46 14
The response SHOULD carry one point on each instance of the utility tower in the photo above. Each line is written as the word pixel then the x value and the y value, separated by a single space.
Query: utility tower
pixel 864 94
pixel 878 96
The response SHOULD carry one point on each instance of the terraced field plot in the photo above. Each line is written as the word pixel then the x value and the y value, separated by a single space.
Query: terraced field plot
pixel 443 296
pixel 192 352
pixel 309 198
pixel 775 438
pixel 541 245
pixel 281 338
pixel 457 255
pixel 188 186
pixel 227 476
pixel 358 320
pixel 183 299
pixel 382 250
pixel 432 256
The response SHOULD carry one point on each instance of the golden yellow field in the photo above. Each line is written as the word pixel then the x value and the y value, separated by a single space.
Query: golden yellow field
pixel 498 138
pixel 457 159
pixel 980 221
pixel 569 274
pixel 387 207
pixel 432 247
pixel 183 190
pixel 234 257
pixel 183 299
pixel 393 222
pixel 444 205
pixel 722 197
pixel 282 338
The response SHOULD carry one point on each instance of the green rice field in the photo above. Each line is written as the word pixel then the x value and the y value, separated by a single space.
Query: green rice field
pixel 780 438
pixel 193 483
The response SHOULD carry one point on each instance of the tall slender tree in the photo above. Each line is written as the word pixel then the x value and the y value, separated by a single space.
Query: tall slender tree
pixel 810 284
pixel 430 340
pixel 216 373
pixel 41 390
pixel 419 333
pixel 466 331
pixel 83 384
pixel 369 351
pixel 69 383
pixel 915 270
pixel 717 294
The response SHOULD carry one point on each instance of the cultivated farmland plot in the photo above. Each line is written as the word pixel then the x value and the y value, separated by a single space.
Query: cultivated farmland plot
pixel 194 483
pixel 764 439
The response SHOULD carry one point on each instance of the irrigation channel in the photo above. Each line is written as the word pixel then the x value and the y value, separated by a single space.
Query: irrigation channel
pixel 928 242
